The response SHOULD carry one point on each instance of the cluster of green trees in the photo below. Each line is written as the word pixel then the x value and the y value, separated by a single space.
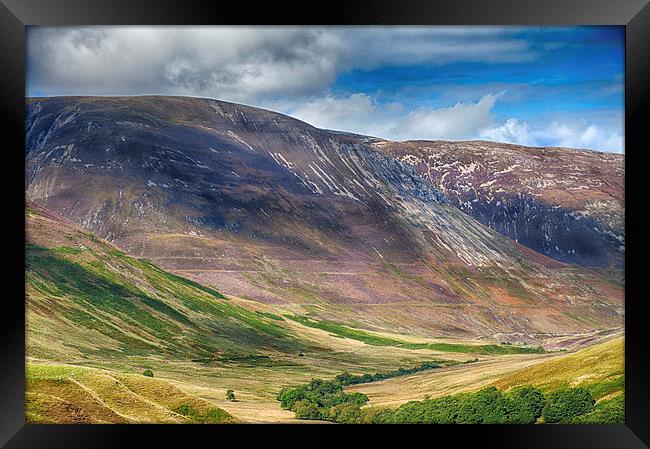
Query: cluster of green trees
pixel 605 412
pixel 351 379
pixel 523 405
pixel 326 400
pixel 564 405
pixel 314 400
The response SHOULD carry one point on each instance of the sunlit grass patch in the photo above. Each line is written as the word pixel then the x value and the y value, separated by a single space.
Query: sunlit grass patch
pixel 377 340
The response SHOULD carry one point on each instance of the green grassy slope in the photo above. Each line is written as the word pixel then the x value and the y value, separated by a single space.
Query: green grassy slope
pixel 110 305
pixel 67 394
pixel 378 340
pixel 599 368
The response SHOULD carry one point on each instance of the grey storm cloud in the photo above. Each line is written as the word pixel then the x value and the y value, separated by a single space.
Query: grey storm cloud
pixel 247 64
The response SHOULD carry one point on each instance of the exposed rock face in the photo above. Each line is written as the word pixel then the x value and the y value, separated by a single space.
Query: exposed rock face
pixel 566 204
pixel 268 207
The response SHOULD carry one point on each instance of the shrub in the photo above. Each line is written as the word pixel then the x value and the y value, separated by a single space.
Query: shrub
pixel 517 411
pixel 346 413
pixel 345 378
pixel 565 404
pixel 148 373
pixel 356 398
pixel 485 407
pixel 524 405
pixel 307 410
pixel 533 398
pixel 443 410
pixel 289 396
pixel 611 411
pixel 316 398
pixel 377 416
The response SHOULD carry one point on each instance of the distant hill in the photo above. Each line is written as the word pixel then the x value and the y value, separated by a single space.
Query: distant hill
pixel 564 203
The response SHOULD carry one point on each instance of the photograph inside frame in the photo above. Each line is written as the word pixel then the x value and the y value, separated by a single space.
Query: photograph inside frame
pixel 377 225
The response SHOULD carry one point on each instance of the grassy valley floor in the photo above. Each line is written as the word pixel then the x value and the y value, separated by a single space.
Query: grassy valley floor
pixel 190 392
pixel 584 387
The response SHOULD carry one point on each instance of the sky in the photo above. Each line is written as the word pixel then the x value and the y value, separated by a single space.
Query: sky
pixel 548 86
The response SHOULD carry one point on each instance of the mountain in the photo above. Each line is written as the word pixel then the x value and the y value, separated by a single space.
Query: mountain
pixel 268 208
pixel 564 203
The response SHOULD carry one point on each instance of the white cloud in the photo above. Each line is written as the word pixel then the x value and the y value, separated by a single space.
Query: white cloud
pixel 245 64
pixel 355 113
pixel 570 134
pixel 434 45
pixel 359 113
pixel 512 131
pixel 456 122
pixel 232 63
pixel 581 135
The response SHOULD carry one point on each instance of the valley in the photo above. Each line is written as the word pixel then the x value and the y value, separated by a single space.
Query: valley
pixel 265 207
pixel 224 247
pixel 94 373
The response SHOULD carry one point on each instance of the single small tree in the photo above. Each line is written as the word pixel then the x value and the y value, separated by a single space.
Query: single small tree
pixel 230 395
pixel 148 373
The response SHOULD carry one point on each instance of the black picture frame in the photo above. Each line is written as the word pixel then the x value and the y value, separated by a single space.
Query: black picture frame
pixel 15 15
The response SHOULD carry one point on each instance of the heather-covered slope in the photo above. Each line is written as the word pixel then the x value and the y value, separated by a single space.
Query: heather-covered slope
pixel 266 207
pixel 567 204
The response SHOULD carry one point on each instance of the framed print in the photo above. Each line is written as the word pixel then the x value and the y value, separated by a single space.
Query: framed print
pixel 360 217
